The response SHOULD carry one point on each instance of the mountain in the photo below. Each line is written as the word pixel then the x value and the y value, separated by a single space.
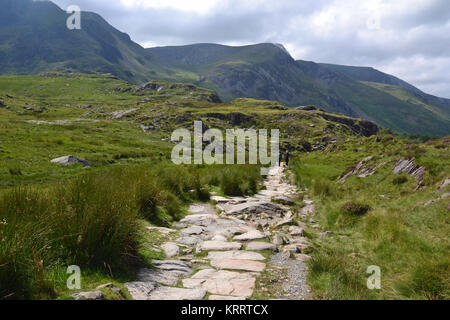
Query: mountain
pixel 34 39
pixel 384 99
pixel 263 71
pixel 371 76
pixel 267 71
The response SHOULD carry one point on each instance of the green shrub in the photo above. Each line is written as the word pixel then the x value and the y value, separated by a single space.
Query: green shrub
pixel 15 171
pixel 322 188
pixel 431 281
pixel 400 180
pixel 354 208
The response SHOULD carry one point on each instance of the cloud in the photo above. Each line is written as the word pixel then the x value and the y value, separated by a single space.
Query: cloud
pixel 408 38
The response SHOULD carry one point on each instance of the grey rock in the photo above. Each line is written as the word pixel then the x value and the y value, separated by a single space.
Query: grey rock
pixel 94 295
pixel 189 241
pixel 259 246
pixel 68 160
pixel 170 249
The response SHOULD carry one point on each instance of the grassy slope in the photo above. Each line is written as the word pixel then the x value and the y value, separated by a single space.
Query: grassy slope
pixel 407 241
pixel 121 151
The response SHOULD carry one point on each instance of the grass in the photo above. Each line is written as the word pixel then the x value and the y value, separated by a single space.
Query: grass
pixel 52 216
pixel 381 219
pixel 94 221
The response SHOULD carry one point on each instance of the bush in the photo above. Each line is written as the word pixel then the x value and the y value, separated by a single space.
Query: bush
pixel 400 180
pixel 355 208
pixel 322 188
pixel 240 181
pixel 15 171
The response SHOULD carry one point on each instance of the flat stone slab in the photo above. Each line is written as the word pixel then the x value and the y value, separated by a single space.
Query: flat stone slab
pixel 258 246
pixel 219 246
pixel 250 235
pixel 168 278
pixel 93 295
pixel 189 241
pixel 233 264
pixel 253 207
pixel 140 290
pixel 170 249
pixel 194 230
pixel 217 297
pixel 236 255
pixel 200 219
pixel 182 267
pixel 169 293
pixel 151 291
pixel 222 282
pixel 219 199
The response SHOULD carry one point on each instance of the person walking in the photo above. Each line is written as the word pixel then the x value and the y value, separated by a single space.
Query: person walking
pixel 286 157
pixel 279 158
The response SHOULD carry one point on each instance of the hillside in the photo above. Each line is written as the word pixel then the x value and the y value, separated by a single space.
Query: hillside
pixel 34 39
pixel 104 214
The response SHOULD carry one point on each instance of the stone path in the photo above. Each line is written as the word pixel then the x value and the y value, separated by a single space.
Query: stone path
pixel 221 253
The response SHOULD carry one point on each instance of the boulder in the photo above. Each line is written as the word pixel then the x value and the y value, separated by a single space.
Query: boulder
pixel 68 160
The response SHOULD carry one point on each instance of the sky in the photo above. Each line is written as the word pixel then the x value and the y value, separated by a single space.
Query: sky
pixel 407 38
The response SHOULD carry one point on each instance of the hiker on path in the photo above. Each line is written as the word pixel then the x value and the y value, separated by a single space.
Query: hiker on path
pixel 279 158
pixel 286 157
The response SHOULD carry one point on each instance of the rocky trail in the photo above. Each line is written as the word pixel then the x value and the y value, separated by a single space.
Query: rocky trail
pixel 244 247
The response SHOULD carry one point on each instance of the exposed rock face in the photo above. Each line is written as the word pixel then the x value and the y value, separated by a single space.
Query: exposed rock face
pixel 306 108
pixel 68 160
pixel 409 167
pixel 444 184
pixel 363 127
pixel 254 207
pixel 445 195
pixel 237 255
pixel 363 169
pixel 235 118
pixel 122 113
